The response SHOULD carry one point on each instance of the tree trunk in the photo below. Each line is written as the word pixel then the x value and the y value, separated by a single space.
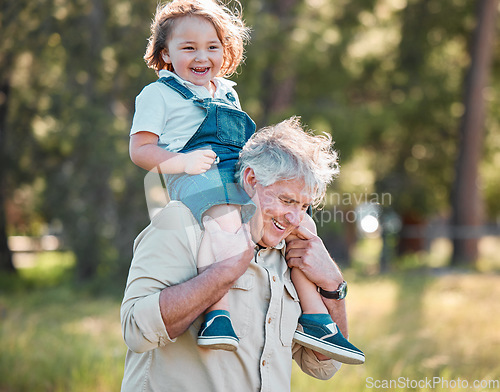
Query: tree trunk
pixel 85 225
pixel 412 236
pixel 466 201
pixel 5 253
pixel 279 78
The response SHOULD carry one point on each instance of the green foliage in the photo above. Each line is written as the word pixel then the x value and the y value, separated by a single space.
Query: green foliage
pixel 425 87
pixel 383 77
pixel 74 100
pixel 490 175
pixel 49 269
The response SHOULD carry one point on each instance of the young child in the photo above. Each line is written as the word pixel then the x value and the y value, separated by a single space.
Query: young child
pixel 189 126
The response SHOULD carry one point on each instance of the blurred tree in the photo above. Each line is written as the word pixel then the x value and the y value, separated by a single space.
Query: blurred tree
pixel 466 199
pixel 267 81
pixel 92 187
pixel 418 146
pixel 294 67
pixel 278 78
pixel 76 67
pixel 6 263
pixel 23 35
pixel 5 66
pixel 381 76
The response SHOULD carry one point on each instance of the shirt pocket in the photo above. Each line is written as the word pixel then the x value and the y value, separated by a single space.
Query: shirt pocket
pixel 240 300
pixel 290 313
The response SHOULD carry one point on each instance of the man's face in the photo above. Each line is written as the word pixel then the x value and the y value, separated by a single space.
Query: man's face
pixel 280 209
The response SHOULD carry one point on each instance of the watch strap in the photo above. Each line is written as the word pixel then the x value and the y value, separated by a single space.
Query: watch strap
pixel 338 294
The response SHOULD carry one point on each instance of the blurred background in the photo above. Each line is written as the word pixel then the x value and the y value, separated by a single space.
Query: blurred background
pixel 409 90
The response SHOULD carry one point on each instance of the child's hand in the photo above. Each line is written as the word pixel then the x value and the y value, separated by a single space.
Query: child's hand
pixel 198 161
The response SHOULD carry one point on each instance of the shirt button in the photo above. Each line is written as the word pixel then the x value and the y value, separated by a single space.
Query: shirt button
pixel 269 321
pixel 264 362
pixel 274 278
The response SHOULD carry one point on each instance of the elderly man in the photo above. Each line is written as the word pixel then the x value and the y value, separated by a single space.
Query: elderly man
pixel 284 170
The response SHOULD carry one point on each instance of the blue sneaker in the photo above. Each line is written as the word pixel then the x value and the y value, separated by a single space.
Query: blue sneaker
pixel 327 340
pixel 217 332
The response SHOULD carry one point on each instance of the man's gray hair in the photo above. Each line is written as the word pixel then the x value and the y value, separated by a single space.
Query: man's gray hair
pixel 286 151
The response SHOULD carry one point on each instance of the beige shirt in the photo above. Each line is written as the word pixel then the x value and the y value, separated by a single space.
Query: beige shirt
pixel 264 310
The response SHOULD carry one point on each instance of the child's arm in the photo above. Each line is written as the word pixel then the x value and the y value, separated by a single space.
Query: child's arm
pixel 145 153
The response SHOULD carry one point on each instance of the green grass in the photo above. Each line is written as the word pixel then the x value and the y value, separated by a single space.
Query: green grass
pixel 57 340
pixel 416 326
pixel 56 336
pixel 412 325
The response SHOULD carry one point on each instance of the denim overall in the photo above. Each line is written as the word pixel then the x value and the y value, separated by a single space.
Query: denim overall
pixel 225 130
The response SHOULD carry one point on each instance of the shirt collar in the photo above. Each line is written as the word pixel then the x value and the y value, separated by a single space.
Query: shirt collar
pixel 220 83
pixel 280 246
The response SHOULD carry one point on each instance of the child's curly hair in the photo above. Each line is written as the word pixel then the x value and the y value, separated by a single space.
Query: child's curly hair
pixel 230 28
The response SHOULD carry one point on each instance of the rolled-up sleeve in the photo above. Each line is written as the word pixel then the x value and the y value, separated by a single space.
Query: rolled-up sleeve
pixel 142 325
pixel 162 257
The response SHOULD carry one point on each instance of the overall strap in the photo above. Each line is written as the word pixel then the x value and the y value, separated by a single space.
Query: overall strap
pixel 174 84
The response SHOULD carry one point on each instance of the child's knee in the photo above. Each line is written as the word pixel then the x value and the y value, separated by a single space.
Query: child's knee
pixel 227 216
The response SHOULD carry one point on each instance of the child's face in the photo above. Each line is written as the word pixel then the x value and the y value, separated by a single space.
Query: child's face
pixel 194 50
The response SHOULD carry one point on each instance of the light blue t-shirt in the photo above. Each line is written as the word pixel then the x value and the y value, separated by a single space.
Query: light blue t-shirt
pixel 164 112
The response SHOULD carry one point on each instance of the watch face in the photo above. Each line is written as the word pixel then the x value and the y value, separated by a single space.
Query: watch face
pixel 340 293
pixel 342 290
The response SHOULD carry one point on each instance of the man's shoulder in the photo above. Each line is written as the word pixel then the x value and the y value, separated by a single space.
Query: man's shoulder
pixel 174 214
pixel 175 218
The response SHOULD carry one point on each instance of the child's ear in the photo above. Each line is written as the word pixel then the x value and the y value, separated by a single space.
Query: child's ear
pixel 165 56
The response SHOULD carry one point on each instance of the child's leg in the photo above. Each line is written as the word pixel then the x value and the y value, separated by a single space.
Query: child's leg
pixel 318 331
pixel 229 219
pixel 310 299
pixel 217 332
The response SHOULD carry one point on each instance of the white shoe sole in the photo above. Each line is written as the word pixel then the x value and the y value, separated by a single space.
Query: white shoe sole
pixel 343 355
pixel 218 343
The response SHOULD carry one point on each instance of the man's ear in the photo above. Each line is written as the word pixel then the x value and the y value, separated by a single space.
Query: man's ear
pixel 249 181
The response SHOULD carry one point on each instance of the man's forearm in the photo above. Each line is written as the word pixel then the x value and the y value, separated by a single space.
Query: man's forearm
pixel 181 304
pixel 337 310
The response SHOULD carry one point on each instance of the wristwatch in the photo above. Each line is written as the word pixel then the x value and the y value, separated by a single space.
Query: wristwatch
pixel 339 294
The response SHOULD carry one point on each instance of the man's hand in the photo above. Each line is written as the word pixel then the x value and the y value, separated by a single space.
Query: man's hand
pixel 198 161
pixel 181 303
pixel 306 251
